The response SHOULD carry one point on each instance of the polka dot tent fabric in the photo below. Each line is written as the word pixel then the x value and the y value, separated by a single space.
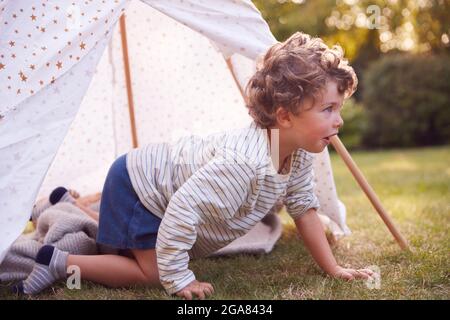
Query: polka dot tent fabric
pixel 64 114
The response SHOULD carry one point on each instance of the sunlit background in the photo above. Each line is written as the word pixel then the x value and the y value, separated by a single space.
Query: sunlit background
pixel 400 51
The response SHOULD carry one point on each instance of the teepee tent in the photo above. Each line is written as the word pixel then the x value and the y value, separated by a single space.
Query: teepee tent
pixel 68 109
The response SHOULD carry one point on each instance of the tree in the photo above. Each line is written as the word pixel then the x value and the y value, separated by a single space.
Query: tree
pixel 360 25
pixel 366 29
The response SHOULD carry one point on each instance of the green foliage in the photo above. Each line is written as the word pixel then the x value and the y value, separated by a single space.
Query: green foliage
pixel 355 124
pixel 287 17
pixel 407 100
pixel 408 25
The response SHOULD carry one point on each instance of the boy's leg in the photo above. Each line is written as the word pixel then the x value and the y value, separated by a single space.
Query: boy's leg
pixel 110 270
pixel 147 262
pixel 119 271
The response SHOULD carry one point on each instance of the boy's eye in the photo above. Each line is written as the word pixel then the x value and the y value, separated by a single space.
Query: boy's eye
pixel 329 109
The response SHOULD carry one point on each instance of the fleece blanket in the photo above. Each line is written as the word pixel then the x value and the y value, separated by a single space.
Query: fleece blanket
pixel 64 226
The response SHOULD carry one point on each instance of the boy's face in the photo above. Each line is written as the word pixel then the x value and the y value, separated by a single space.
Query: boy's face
pixel 318 121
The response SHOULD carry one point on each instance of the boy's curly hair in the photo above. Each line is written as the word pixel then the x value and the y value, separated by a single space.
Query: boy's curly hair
pixel 293 70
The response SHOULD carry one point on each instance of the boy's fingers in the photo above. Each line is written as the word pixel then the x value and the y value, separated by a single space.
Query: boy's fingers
pixel 209 288
pixel 187 295
pixel 208 291
pixel 347 276
pixel 200 294
pixel 354 273
pixel 367 271
pixel 198 289
pixel 359 274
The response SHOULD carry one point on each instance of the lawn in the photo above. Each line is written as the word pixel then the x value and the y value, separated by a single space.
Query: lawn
pixel 413 185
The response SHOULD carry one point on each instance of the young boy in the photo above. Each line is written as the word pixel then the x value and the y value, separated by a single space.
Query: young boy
pixel 167 203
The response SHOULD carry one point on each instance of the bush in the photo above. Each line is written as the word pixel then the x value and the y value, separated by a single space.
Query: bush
pixel 355 124
pixel 407 99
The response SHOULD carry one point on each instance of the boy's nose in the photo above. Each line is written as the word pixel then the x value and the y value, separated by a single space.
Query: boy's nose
pixel 339 122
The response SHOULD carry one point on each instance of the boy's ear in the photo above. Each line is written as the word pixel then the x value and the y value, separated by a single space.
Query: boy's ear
pixel 283 118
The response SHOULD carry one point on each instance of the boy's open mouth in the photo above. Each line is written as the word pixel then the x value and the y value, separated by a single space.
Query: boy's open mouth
pixel 327 139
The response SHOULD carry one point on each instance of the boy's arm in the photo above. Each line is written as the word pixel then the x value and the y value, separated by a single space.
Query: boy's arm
pixel 313 235
pixel 311 231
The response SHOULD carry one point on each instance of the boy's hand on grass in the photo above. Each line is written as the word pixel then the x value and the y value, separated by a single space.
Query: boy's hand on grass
pixel 199 289
pixel 351 274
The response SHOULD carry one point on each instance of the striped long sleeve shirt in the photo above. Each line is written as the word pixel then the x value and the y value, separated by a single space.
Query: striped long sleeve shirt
pixel 209 191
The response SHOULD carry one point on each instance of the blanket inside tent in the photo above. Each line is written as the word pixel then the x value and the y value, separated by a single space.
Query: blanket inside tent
pixel 64 113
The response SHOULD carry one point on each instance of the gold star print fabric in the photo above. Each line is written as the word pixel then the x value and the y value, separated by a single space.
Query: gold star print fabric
pixel 42 40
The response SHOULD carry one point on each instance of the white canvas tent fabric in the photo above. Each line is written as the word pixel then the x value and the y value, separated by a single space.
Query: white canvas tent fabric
pixel 54 131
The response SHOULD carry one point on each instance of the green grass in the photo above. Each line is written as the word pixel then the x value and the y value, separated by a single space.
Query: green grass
pixel 413 186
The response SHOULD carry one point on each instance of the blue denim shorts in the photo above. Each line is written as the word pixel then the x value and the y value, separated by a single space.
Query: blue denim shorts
pixel 124 222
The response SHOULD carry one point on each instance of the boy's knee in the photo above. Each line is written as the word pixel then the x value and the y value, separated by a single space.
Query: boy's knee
pixel 151 278
pixel 146 260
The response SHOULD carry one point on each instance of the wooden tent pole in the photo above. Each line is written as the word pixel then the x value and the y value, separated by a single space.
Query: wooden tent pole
pixel 359 177
pixel 126 63
pixel 370 193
